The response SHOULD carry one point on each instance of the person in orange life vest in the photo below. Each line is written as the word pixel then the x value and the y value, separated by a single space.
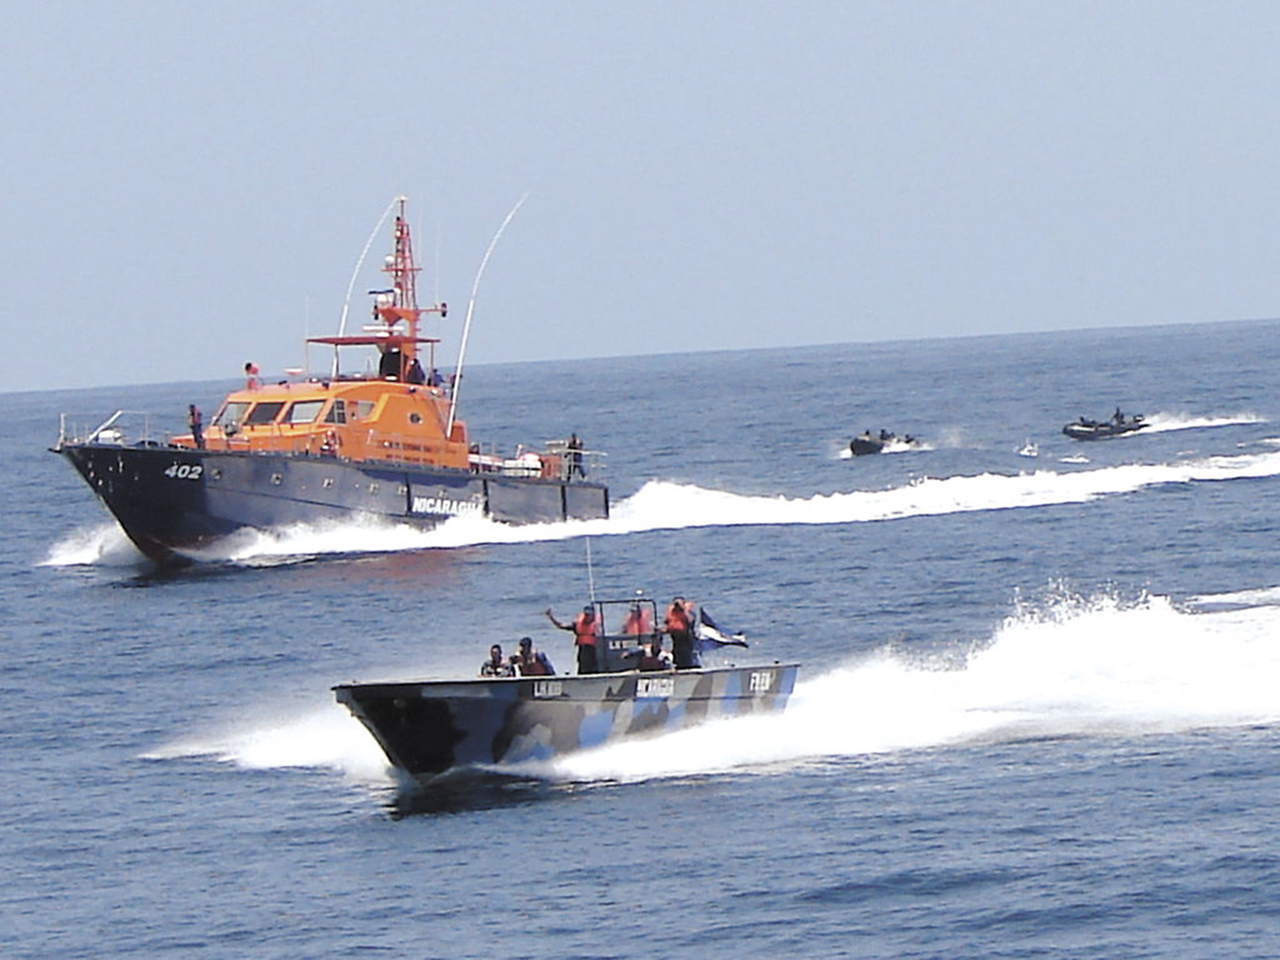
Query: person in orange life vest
pixel 680 626
pixel 530 662
pixel 585 629
pixel 637 623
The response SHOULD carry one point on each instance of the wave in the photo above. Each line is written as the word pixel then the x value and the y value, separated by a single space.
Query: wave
pixel 1164 422
pixel 1070 667
pixel 1081 667
pixel 664 505
pixel 891 446
pixel 315 737
pixel 103 545
pixel 1238 600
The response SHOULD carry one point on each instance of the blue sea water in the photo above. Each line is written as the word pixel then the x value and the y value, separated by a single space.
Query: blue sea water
pixel 1039 712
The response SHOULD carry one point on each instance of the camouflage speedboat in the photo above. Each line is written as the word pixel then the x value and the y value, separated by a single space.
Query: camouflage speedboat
pixel 428 726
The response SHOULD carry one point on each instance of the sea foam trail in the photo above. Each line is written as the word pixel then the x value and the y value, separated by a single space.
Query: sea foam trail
pixel 1072 667
pixel 321 735
pixel 1079 668
pixel 663 505
pixel 1164 422
pixel 103 544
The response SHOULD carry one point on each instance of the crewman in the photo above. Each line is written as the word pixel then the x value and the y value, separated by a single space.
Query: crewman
pixel 495 666
pixel 530 662
pixel 575 457
pixel 680 627
pixel 637 622
pixel 586 630
pixel 196 422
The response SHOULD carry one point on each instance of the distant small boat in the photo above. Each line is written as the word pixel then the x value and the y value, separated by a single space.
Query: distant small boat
pixel 865 442
pixel 1117 426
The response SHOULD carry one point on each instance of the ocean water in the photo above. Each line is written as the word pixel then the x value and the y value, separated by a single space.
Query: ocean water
pixel 1038 713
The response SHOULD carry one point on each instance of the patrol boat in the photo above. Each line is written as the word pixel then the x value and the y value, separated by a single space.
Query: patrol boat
pixel 318 448
pixel 865 443
pixel 1118 426
pixel 426 727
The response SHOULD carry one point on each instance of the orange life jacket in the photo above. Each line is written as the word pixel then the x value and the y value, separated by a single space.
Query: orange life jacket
pixel 637 622
pixel 584 631
pixel 677 620
pixel 531 666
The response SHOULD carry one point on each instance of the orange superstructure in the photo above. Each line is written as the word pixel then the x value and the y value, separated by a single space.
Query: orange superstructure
pixel 385 443
pixel 400 414
pixel 359 419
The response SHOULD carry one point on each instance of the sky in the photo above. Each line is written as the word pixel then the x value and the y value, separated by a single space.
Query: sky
pixel 189 186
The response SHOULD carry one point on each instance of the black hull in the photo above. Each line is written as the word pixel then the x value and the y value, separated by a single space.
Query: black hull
pixel 1100 431
pixel 170 499
pixel 860 446
pixel 427 727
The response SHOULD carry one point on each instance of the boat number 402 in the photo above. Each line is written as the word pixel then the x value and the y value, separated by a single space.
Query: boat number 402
pixel 185 471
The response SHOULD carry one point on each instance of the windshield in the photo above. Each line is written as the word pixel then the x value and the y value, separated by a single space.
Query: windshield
pixel 304 411
pixel 264 412
pixel 231 415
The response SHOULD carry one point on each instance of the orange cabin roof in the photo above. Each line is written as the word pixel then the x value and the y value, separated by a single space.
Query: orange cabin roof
pixel 360 419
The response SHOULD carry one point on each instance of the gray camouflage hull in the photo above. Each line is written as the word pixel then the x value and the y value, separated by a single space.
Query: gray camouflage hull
pixel 427 727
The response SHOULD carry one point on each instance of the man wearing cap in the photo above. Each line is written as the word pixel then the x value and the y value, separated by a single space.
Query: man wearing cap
pixel 585 629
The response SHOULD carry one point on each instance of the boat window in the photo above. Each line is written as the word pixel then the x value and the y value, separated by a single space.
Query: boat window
pixel 360 409
pixel 304 411
pixel 337 413
pixel 231 415
pixel 264 412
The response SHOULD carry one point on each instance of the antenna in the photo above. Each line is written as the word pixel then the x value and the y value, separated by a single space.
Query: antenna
pixel 437 264
pixel 346 304
pixel 591 576
pixel 471 305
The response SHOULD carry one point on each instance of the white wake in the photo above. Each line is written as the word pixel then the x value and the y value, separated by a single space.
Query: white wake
pixel 1164 422
pixel 1071 667
pixel 663 505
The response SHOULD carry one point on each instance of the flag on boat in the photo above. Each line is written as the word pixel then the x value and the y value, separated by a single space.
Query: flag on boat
pixel 711 637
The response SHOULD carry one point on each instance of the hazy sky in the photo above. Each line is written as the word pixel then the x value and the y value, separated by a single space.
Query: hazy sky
pixel 188 185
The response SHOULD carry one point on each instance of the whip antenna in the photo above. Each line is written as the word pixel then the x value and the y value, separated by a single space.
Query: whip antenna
pixel 591 576
pixel 346 305
pixel 471 305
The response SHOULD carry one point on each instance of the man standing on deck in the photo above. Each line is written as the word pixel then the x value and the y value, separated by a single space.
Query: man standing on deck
pixel 680 626
pixel 585 629
pixel 575 457
pixel 196 422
